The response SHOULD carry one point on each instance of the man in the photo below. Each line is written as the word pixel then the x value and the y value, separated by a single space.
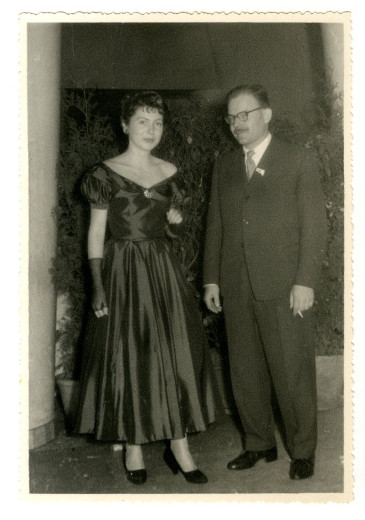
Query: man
pixel 265 240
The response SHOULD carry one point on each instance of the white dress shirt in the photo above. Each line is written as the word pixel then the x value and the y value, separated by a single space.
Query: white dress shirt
pixel 259 150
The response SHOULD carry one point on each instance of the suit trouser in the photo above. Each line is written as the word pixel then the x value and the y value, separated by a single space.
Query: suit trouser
pixel 268 347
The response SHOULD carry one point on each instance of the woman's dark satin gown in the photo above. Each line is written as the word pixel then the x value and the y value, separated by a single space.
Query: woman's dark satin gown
pixel 146 366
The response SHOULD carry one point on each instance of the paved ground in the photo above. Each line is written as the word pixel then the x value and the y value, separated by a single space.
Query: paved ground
pixel 73 464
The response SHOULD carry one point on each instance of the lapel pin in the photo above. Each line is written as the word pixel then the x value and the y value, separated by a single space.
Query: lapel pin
pixel 260 171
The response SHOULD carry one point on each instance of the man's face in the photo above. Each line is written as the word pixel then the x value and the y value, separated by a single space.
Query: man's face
pixel 253 131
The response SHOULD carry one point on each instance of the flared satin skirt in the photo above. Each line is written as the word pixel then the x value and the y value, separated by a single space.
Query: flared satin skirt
pixel 146 372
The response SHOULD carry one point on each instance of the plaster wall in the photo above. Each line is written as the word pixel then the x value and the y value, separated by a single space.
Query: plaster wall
pixel 43 131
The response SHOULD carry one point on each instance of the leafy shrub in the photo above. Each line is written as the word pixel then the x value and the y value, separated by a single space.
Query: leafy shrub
pixel 86 139
pixel 328 140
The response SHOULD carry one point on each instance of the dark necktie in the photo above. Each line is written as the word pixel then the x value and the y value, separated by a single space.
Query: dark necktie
pixel 250 164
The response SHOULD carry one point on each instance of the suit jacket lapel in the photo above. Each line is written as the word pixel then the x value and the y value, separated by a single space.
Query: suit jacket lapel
pixel 238 172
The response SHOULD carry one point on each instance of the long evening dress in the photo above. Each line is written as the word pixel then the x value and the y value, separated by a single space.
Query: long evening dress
pixel 146 366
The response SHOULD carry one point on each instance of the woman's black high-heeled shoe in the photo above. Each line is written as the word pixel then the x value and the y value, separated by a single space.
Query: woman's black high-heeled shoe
pixel 194 477
pixel 136 476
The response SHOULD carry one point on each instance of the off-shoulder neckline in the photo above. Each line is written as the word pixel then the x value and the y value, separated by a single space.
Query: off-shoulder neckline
pixel 136 183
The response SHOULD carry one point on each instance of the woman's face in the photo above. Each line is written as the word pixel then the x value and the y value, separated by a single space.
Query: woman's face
pixel 144 128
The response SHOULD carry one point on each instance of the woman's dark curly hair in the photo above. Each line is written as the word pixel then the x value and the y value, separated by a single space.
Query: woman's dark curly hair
pixel 148 99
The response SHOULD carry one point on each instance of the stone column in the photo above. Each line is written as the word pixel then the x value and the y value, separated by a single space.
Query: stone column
pixel 333 43
pixel 43 72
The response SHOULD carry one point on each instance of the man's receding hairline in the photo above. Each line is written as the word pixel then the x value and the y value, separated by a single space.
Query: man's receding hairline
pixel 247 89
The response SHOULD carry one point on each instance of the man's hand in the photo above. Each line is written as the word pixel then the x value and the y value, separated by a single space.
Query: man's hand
pixel 301 299
pixel 211 298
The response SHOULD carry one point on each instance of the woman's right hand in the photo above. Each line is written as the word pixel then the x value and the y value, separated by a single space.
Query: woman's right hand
pixel 174 216
pixel 98 303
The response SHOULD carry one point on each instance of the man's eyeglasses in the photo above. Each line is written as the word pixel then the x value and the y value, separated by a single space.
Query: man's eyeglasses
pixel 241 116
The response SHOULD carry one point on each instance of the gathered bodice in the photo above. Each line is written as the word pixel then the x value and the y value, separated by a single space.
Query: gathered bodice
pixel 134 212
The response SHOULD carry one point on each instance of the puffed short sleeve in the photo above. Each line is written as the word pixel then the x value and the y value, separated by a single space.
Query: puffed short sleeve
pixel 97 188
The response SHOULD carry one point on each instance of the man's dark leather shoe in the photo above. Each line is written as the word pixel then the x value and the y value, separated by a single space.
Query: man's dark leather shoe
pixel 301 468
pixel 247 459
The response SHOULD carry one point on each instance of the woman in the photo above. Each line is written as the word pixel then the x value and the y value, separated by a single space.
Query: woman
pixel 145 375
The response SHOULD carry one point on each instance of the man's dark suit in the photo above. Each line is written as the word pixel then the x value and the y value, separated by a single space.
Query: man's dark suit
pixel 264 236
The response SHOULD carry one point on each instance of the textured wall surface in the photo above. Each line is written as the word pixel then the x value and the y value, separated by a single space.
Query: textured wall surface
pixel 43 132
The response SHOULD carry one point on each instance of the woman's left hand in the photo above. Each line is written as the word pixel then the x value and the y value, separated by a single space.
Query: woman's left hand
pixel 174 216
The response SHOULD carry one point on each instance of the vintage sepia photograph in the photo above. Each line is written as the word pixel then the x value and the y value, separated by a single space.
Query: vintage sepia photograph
pixel 187 179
